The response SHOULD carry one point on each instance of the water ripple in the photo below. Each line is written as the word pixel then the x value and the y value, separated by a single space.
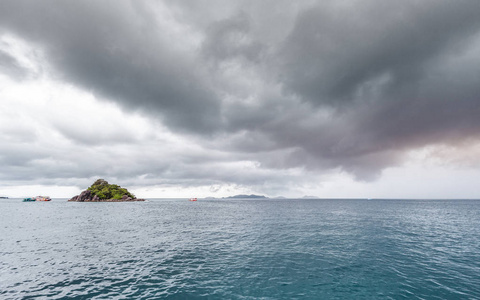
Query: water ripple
pixel 285 249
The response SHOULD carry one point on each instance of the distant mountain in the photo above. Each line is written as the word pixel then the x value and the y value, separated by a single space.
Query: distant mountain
pixel 246 197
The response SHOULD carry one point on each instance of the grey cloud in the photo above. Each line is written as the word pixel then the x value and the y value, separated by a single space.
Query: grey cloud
pixel 379 68
pixel 334 49
pixel 231 38
pixel 117 53
pixel 382 67
pixel 88 138
pixel 10 66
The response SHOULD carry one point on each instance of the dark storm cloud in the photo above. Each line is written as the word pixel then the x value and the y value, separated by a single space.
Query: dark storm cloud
pixel 231 38
pixel 333 49
pixel 114 49
pixel 317 85
pixel 383 67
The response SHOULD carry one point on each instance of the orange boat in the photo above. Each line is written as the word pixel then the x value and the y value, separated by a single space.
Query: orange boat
pixel 42 198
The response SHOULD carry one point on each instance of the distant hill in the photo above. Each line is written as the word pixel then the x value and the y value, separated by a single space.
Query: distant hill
pixel 246 197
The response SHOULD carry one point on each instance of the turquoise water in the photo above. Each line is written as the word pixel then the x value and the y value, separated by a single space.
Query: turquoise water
pixel 240 249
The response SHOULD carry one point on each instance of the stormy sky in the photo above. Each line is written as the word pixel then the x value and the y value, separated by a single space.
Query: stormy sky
pixel 346 98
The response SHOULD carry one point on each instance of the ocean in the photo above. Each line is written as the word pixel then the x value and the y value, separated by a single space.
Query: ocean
pixel 240 249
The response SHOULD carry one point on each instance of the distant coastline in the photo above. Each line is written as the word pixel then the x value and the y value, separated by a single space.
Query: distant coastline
pixel 246 197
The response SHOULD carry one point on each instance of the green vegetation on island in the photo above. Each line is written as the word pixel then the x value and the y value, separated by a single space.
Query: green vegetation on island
pixel 104 190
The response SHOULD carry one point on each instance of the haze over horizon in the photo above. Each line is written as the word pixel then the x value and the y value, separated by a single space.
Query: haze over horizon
pixel 361 99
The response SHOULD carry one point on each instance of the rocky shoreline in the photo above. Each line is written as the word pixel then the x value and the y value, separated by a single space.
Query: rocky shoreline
pixel 87 196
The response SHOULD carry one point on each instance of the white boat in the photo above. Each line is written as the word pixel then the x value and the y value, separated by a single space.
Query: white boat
pixel 43 198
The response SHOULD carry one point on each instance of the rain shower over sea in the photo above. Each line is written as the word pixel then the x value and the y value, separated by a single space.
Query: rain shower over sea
pixel 240 249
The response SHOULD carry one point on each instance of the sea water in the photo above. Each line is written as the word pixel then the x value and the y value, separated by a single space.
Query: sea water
pixel 240 249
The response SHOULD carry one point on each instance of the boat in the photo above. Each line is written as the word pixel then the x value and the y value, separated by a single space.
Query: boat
pixel 43 198
pixel 192 199
pixel 29 199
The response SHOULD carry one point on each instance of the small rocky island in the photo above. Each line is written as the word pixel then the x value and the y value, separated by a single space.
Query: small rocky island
pixel 102 191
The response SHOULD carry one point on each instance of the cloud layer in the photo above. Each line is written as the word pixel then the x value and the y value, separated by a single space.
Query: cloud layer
pixel 261 95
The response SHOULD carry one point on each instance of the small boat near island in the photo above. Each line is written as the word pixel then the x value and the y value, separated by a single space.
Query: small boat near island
pixel 43 198
pixel 38 198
